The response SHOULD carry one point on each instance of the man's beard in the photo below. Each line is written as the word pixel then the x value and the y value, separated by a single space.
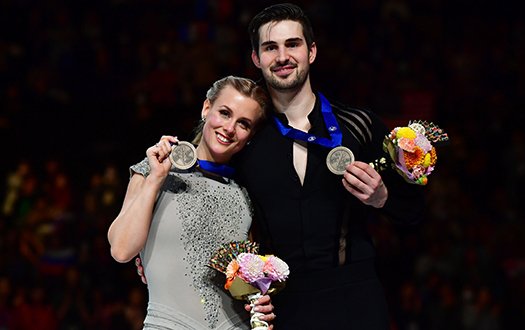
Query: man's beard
pixel 284 85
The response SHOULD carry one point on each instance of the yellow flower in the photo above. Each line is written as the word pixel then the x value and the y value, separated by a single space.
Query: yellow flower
pixel 426 161
pixel 406 132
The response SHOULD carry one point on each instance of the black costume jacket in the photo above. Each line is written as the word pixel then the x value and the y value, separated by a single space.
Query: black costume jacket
pixel 319 225
pixel 319 228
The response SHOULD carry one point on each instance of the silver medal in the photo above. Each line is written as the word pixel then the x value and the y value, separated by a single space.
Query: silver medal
pixel 183 155
pixel 338 158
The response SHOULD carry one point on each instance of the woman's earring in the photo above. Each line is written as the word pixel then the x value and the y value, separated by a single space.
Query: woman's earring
pixel 203 119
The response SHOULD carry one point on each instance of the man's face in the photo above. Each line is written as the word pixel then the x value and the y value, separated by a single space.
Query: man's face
pixel 283 56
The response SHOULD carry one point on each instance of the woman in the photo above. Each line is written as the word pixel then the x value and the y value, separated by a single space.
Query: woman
pixel 177 218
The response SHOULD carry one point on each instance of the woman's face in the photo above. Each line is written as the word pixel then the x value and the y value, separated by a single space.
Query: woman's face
pixel 229 124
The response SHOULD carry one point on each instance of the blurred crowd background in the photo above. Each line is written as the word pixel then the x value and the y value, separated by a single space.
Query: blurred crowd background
pixel 87 86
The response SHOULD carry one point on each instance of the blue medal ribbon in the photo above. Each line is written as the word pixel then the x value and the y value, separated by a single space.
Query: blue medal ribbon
pixel 336 137
pixel 219 169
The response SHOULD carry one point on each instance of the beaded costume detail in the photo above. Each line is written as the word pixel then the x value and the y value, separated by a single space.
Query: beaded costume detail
pixel 208 213
pixel 208 222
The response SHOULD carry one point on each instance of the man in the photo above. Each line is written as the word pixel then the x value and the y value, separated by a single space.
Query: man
pixel 312 218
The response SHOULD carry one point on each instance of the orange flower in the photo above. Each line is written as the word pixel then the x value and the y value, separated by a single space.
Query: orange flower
pixel 231 272
pixel 433 156
pixel 413 158
pixel 229 282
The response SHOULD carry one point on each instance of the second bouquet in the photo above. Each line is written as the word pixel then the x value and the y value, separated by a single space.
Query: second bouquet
pixel 250 275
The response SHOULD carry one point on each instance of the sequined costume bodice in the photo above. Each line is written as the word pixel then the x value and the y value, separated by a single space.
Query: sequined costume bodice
pixel 193 216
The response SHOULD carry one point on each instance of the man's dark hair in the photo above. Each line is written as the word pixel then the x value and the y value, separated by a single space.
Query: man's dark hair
pixel 277 13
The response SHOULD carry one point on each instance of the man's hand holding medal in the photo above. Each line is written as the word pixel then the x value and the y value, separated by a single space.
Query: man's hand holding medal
pixel 359 178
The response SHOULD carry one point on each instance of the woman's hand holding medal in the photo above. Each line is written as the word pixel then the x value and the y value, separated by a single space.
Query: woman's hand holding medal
pixel 183 155
pixel 158 157
pixel 170 152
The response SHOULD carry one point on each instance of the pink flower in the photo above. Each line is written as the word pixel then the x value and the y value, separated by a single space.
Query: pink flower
pixel 406 144
pixel 276 269
pixel 250 267
pixel 418 171
pixel 423 143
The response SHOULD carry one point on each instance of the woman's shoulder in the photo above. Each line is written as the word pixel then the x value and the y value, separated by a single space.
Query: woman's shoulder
pixel 141 168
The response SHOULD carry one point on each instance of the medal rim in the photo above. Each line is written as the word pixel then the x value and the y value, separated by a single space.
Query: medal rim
pixel 183 166
pixel 334 150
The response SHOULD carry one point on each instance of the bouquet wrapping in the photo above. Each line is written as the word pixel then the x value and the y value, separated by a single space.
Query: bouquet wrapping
pixel 250 275
pixel 411 150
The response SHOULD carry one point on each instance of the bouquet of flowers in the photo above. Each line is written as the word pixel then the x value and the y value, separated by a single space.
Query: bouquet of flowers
pixel 411 150
pixel 249 275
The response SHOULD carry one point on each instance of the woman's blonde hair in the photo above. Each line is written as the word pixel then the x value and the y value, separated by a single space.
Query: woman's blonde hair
pixel 246 87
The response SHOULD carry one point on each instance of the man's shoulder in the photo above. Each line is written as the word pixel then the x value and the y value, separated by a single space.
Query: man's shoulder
pixel 345 110
pixel 339 107
pixel 362 123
